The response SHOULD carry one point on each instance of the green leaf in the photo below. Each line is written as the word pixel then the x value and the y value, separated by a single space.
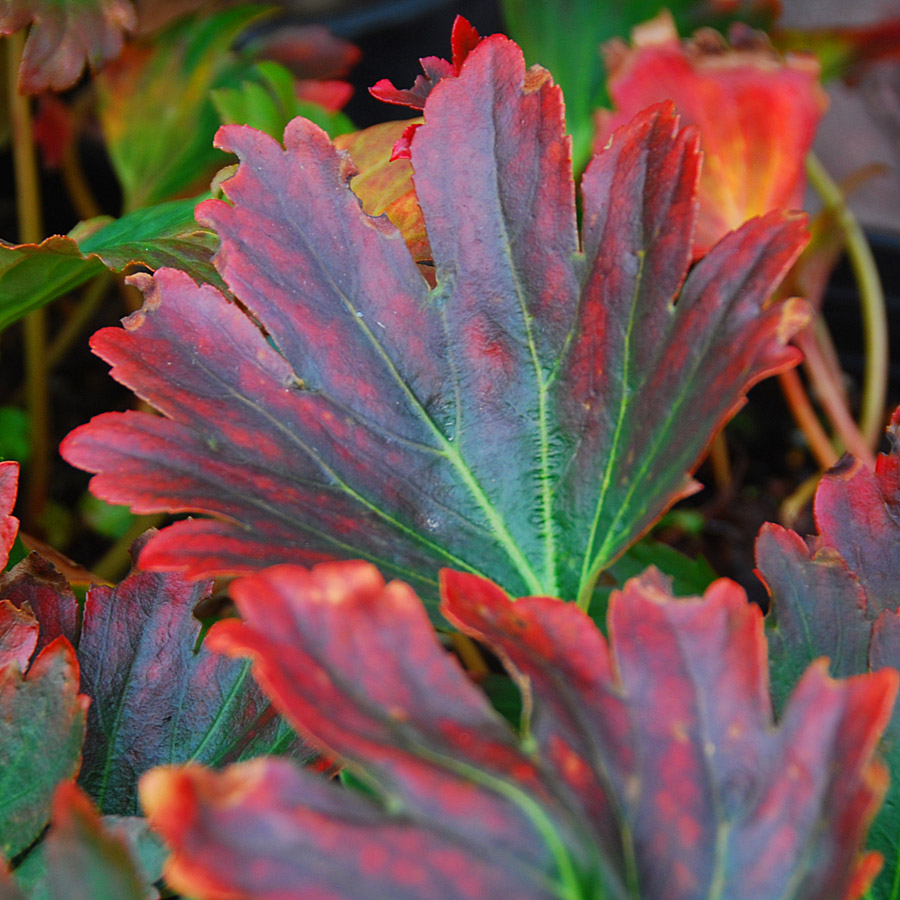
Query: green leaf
pixel 267 99
pixel 155 107
pixel 32 275
pixel 42 725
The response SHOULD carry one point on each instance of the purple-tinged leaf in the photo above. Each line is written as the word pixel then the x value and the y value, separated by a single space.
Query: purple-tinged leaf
pixel 36 585
pixel 527 418
pixel 653 768
pixel 835 596
pixel 65 36
pixel 155 697
pixel 858 514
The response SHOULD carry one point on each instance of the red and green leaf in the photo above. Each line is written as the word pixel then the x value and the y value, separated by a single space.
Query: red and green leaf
pixel 42 723
pixel 527 418
pixel 32 275
pixel 655 775
pixel 86 857
pixel 836 596
pixel 157 699
pixel 65 36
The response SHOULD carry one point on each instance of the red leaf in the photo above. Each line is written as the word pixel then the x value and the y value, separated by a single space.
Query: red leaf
pixel 856 512
pixel 34 584
pixel 757 116
pixel 527 418
pixel 654 768
pixel 464 39
pixel 65 36
pixel 18 635
pixel 9 525
pixel 836 597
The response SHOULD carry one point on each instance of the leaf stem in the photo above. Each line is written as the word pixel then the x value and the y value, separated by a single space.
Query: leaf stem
pixel 28 208
pixel 829 392
pixel 807 421
pixel 871 296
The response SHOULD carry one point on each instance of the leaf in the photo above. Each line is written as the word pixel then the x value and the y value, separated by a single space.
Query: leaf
pixel 35 585
pixel 836 596
pixel 65 36
pixel 155 698
pixel 32 275
pixel 566 36
pixel 42 720
pixel 385 185
pixel 269 98
pixel 652 769
pixel 155 108
pixel 18 635
pixel 754 157
pixel 527 418
pixel 83 857
pixel 9 524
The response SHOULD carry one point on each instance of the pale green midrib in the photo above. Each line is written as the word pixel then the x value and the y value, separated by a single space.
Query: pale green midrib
pixel 576 710
pixel 408 743
pixel 624 403
pixel 662 431
pixel 449 451
pixel 548 534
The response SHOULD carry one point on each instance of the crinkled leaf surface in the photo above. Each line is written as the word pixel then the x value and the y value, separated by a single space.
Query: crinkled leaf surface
pixel 652 769
pixel 42 722
pixel 836 596
pixel 32 275
pixel 65 36
pixel 526 418
pixel 154 699
pixel 155 108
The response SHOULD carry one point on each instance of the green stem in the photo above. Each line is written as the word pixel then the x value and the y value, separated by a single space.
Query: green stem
pixel 28 206
pixel 871 296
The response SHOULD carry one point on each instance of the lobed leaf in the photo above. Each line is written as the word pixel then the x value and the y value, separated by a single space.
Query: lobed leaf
pixel 65 36
pixel 32 275
pixel 835 595
pixel 157 698
pixel 42 723
pixel 644 774
pixel 527 418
